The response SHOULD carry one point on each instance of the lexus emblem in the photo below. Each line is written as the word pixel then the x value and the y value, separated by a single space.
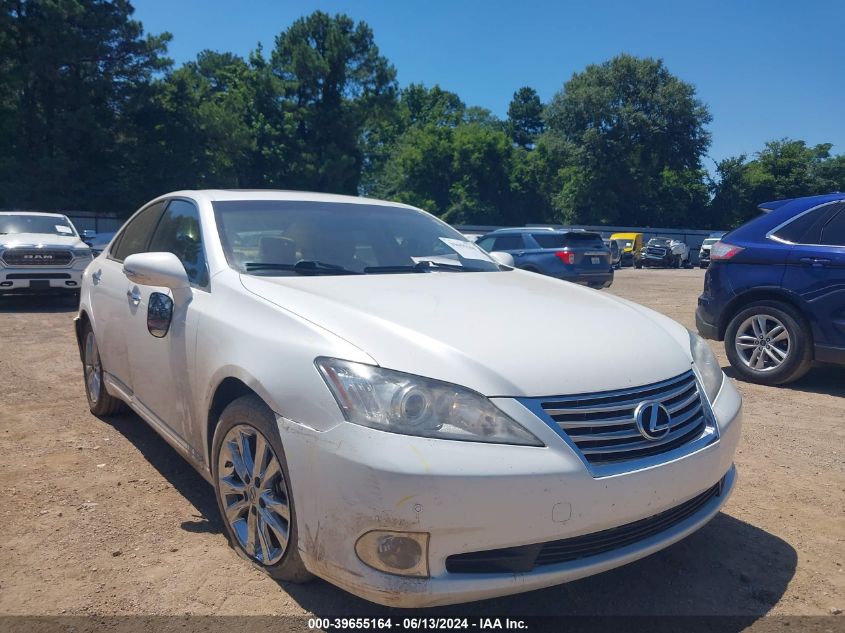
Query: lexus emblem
pixel 653 420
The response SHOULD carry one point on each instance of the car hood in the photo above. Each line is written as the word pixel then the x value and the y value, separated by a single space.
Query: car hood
pixel 501 333
pixel 40 239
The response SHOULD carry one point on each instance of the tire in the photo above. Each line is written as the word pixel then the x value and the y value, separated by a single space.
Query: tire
pixel 786 354
pixel 100 402
pixel 638 265
pixel 247 425
pixel 676 261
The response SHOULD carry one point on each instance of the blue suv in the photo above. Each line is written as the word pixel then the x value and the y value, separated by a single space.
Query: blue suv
pixel 775 290
pixel 572 255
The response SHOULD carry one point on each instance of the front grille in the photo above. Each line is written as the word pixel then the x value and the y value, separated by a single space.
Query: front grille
pixel 526 557
pixel 602 425
pixel 37 257
pixel 657 252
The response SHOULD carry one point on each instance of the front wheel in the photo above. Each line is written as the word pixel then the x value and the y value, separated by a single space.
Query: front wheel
pixel 769 343
pixel 252 485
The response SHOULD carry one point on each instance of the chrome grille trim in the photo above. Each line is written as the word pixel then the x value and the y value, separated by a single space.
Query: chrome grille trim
pixel 26 257
pixel 602 429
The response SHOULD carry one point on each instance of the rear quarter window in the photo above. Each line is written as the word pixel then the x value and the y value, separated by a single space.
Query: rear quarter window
pixel 807 228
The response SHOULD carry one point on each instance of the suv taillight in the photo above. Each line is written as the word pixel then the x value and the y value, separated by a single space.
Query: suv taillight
pixel 567 257
pixel 723 250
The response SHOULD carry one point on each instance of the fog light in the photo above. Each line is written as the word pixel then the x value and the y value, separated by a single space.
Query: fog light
pixel 402 553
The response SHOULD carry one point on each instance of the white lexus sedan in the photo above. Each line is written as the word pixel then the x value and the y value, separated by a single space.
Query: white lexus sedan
pixel 380 403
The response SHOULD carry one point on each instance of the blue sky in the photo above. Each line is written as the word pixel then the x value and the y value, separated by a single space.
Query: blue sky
pixel 766 69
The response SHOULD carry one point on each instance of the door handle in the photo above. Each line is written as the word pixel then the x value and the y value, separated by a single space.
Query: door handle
pixel 95 277
pixel 816 262
pixel 134 296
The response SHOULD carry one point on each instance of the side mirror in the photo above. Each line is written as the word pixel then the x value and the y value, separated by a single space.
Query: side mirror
pixel 159 314
pixel 503 258
pixel 156 269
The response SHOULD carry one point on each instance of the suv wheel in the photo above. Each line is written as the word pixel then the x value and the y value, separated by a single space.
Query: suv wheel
pixel 768 343
pixel 99 400
pixel 252 486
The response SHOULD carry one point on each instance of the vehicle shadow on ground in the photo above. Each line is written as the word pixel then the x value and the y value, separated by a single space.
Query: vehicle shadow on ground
pixel 184 478
pixel 727 568
pixel 38 303
pixel 824 379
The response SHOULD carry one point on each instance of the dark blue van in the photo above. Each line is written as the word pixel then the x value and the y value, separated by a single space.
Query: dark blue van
pixel 775 290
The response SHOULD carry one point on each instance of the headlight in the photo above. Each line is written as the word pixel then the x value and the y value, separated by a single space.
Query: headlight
pixel 709 370
pixel 411 405
pixel 82 251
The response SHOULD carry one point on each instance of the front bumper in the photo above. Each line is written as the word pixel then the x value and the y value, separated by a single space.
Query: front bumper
pixel 651 261
pixel 472 497
pixel 43 278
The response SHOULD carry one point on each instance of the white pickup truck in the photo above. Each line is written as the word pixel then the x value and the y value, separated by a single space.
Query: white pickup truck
pixel 40 252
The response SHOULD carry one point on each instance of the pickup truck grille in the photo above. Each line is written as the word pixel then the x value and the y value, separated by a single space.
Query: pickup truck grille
pixel 37 257
pixel 656 251
pixel 604 428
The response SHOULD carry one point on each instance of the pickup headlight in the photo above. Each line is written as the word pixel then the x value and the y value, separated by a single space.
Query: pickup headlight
pixel 412 405
pixel 709 370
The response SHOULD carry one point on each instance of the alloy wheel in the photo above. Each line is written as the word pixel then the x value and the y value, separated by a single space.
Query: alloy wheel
pixel 93 368
pixel 254 494
pixel 762 342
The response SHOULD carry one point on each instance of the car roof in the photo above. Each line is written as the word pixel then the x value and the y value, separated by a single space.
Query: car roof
pixel 801 204
pixel 219 195
pixel 779 212
pixel 39 213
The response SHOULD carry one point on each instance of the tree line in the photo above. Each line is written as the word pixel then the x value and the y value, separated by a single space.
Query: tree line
pixel 94 116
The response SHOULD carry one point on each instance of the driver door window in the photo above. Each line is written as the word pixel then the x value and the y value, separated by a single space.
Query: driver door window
pixel 178 232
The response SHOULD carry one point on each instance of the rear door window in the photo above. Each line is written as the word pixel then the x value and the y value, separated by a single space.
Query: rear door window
pixel 136 235
pixel 833 233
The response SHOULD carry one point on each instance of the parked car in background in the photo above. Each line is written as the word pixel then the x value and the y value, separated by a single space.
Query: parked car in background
pixel 40 252
pixel 572 255
pixel 615 252
pixel 380 403
pixel 775 290
pixel 100 241
pixel 632 245
pixel 665 252
pixel 704 251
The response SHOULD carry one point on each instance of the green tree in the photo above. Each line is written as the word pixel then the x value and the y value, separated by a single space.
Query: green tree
pixel 634 135
pixel 335 88
pixel 71 72
pixel 782 169
pixel 195 127
pixel 525 117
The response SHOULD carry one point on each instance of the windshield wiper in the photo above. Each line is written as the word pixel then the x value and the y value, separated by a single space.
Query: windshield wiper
pixel 422 266
pixel 302 267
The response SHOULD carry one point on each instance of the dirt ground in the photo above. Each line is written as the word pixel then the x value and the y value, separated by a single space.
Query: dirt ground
pixel 102 517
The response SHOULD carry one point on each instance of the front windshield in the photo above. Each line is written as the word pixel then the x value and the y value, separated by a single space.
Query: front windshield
pixel 658 241
pixel 710 241
pixel 23 223
pixel 272 237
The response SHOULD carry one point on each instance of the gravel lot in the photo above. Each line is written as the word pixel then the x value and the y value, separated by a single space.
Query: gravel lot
pixel 102 517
